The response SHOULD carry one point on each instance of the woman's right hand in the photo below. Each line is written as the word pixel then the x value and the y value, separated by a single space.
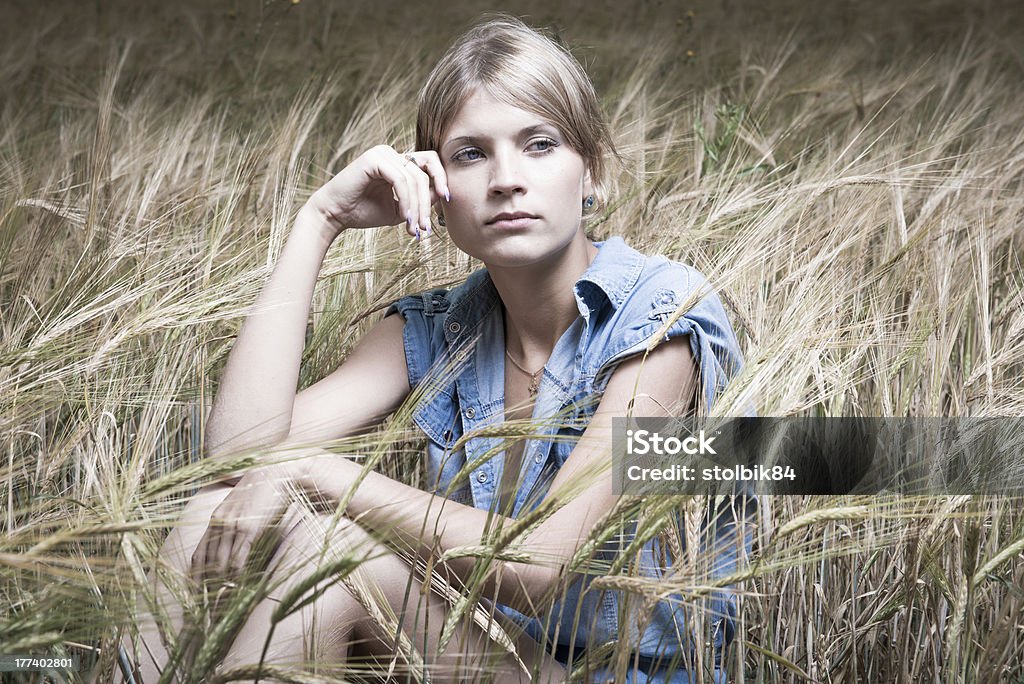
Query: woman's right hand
pixel 256 506
pixel 382 188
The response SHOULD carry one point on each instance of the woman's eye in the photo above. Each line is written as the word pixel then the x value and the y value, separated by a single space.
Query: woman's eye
pixel 466 154
pixel 546 144
pixel 540 146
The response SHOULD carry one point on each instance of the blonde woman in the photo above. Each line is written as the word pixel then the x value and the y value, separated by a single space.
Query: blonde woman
pixel 510 154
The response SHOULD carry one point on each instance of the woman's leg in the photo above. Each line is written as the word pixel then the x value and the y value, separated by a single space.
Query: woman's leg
pixel 471 655
pixel 324 631
pixel 149 655
pixel 289 639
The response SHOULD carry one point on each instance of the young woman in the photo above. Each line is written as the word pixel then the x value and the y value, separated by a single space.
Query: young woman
pixel 511 152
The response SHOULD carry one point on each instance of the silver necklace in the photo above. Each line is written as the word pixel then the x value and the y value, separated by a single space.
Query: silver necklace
pixel 534 377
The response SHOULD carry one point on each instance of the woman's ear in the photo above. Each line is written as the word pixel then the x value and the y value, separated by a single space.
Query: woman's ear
pixel 588 185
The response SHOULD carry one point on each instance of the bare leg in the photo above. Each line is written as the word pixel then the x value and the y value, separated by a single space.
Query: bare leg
pixel 470 656
pixel 176 557
pixel 324 631
pixel 151 656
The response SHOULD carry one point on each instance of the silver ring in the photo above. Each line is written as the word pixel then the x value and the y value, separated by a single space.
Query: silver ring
pixel 409 159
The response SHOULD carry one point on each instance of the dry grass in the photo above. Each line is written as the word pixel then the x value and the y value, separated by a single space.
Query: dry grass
pixel 850 176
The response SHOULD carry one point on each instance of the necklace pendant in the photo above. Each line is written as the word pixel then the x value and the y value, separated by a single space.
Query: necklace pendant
pixel 533 387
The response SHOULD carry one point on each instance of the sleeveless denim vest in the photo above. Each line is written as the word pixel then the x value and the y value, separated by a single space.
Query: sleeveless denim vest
pixel 454 349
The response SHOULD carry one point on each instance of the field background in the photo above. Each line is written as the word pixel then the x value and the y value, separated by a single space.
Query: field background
pixel 848 172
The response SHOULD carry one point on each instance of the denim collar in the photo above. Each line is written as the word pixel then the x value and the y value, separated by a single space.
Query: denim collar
pixel 613 274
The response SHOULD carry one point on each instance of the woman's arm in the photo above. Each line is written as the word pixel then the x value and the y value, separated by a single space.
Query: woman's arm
pixel 664 381
pixel 253 405
pixel 256 404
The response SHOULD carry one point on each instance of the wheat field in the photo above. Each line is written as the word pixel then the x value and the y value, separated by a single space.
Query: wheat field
pixel 850 175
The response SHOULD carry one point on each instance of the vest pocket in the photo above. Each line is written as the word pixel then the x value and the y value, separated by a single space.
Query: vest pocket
pixel 443 427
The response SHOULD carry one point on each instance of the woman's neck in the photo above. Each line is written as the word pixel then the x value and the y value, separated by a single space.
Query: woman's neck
pixel 539 301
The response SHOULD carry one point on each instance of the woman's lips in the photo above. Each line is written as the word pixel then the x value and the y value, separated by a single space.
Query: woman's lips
pixel 508 223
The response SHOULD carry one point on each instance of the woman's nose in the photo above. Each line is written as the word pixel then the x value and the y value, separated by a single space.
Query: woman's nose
pixel 506 176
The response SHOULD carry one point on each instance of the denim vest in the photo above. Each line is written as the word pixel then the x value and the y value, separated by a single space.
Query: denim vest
pixel 454 350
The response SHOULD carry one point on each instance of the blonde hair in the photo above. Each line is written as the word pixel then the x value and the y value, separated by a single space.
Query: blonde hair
pixel 519 66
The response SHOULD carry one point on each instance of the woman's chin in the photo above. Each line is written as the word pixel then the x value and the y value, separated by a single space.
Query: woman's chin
pixel 517 250
pixel 520 253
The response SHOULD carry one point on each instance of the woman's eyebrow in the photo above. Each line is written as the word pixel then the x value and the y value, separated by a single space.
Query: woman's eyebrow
pixel 524 133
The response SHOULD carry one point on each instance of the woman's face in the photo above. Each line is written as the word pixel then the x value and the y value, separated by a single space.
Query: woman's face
pixel 517 188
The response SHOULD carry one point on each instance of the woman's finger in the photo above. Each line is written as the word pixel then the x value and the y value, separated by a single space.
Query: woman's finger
pixel 222 559
pixel 232 560
pixel 240 555
pixel 244 542
pixel 421 182
pixel 202 555
pixel 430 163
pixel 405 194
pixel 226 525
pixel 388 166
pixel 198 557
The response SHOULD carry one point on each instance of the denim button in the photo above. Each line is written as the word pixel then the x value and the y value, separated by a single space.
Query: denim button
pixel 454 327
pixel 481 476
pixel 538 458
pixel 447 435
pixel 470 412
pixel 664 297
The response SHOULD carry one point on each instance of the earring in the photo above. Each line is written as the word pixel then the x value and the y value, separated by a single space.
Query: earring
pixel 588 203
pixel 440 221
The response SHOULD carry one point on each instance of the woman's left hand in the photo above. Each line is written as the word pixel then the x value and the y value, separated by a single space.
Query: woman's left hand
pixel 258 504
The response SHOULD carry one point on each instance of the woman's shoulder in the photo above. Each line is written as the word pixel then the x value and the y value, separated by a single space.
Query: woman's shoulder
pixel 663 297
pixel 643 284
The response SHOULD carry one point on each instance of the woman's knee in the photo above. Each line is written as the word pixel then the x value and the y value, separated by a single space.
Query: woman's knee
pixel 333 546
pixel 310 536
pixel 371 570
pixel 307 538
